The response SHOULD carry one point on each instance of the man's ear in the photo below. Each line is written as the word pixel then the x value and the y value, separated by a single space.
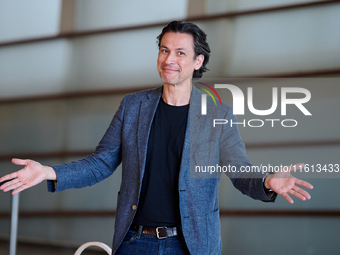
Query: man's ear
pixel 199 61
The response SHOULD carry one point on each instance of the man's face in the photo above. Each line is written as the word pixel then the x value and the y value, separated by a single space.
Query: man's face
pixel 176 59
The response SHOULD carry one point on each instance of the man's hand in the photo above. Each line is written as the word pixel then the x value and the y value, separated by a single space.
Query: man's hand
pixel 283 183
pixel 32 174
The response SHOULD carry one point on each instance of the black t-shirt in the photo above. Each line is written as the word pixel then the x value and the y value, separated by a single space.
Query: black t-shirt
pixel 159 199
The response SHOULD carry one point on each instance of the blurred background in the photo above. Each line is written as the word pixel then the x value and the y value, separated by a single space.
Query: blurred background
pixel 65 65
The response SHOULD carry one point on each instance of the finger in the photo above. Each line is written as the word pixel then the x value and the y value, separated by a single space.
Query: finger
pixel 4 184
pixel 297 194
pixel 303 183
pixel 9 177
pixel 301 192
pixel 19 189
pixel 20 162
pixel 287 197
pixel 11 185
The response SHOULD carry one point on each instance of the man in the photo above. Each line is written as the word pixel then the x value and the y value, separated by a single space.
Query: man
pixel 159 136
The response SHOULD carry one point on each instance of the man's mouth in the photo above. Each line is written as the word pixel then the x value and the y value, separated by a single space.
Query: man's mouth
pixel 169 69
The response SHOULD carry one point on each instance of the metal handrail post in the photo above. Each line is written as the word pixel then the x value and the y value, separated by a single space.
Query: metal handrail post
pixel 14 224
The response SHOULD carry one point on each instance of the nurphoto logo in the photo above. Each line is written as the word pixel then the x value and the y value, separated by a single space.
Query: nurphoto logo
pixel 239 104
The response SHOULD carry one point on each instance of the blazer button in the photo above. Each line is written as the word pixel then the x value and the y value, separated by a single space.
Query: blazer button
pixel 134 207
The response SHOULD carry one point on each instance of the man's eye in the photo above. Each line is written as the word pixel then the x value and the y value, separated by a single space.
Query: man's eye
pixel 181 53
pixel 164 51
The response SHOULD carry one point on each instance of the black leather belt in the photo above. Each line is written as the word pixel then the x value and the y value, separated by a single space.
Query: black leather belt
pixel 159 232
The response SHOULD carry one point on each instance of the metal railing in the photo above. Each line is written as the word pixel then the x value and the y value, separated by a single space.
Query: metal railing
pixel 14 225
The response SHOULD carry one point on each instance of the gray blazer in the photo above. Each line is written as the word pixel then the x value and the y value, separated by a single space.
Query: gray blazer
pixel 125 141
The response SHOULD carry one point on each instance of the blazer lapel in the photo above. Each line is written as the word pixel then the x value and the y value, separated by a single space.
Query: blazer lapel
pixel 194 125
pixel 147 111
pixel 196 118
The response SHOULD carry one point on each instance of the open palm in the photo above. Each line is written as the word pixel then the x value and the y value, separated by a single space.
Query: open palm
pixel 32 174
pixel 284 184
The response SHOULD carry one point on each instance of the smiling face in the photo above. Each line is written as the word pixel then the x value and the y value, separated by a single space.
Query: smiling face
pixel 176 59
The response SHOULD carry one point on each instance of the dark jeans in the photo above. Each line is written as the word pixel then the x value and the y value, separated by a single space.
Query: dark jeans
pixel 151 245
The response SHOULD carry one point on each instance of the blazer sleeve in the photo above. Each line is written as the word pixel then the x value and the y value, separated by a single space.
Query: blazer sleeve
pixel 99 165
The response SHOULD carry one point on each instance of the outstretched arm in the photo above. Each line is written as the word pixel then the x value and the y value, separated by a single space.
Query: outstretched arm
pixel 32 174
pixel 284 184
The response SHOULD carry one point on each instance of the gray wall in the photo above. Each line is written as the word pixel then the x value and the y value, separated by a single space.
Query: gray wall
pixel 293 40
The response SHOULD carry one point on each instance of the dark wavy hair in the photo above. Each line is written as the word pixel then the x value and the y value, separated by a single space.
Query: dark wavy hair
pixel 200 44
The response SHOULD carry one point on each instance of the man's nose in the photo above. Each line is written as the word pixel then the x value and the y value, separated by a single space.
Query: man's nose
pixel 170 58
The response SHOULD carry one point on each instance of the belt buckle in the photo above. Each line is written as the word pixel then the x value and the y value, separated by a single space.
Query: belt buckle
pixel 157 233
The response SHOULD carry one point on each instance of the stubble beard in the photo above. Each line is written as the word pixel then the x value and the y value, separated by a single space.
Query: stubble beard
pixel 170 81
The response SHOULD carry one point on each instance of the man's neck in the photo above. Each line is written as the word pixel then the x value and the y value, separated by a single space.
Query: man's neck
pixel 177 95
